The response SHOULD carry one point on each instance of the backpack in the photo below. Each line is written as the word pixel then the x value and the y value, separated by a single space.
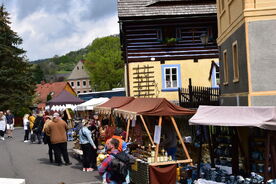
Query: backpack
pixel 119 167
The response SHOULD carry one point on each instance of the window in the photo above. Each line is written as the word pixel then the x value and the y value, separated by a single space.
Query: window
pixel 78 83
pixel 83 83
pixel 171 79
pixel 78 68
pixel 235 61
pixel 225 67
pixel 215 75
pixel 84 91
pixel 78 92
pixel 72 84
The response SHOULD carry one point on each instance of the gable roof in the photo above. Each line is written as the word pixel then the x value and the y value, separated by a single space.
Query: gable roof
pixel 65 98
pixel 42 90
pixel 132 8
pixel 78 72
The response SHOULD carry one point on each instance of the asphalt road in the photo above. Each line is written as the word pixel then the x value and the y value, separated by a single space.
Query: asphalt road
pixel 30 162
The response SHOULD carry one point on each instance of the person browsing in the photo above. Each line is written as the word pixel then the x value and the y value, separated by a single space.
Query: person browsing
pixel 87 146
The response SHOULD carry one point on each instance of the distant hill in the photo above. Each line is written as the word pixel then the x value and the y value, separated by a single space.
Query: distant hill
pixel 65 63
pixel 57 68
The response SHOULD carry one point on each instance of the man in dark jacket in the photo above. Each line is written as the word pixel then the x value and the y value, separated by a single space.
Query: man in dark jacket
pixel 38 126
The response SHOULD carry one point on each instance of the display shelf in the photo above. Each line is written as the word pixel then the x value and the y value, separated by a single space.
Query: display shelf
pixel 172 162
pixel 257 152
pixel 222 147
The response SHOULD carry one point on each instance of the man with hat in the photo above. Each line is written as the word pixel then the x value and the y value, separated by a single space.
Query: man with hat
pixel 57 129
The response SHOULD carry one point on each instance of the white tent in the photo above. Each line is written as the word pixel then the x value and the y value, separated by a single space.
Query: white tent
pixel 257 116
pixel 90 104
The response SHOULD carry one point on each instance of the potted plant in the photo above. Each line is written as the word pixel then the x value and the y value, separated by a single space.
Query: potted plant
pixel 170 41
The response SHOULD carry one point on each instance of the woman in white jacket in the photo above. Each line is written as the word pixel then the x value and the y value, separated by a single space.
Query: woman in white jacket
pixel 2 125
pixel 26 124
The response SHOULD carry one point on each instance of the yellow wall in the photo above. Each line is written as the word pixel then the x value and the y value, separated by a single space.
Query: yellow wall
pixel 237 12
pixel 198 72
pixel 70 90
pixel 230 18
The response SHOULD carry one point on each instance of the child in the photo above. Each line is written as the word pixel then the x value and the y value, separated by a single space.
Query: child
pixel 101 156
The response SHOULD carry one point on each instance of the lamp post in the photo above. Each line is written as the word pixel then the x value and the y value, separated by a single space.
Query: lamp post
pixel 204 39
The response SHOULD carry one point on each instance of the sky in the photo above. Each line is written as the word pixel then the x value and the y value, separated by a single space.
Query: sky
pixel 56 27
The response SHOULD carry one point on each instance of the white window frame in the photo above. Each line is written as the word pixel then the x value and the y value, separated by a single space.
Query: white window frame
pixel 214 76
pixel 178 77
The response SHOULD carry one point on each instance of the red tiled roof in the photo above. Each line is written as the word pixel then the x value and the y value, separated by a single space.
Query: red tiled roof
pixel 42 90
pixel 41 106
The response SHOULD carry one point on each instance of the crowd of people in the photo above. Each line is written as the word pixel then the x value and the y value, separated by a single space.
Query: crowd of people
pixel 103 149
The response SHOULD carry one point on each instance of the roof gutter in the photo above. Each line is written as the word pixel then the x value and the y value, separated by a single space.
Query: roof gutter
pixel 160 18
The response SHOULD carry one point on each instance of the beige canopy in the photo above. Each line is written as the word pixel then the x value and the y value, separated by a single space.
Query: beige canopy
pixel 261 116
pixel 114 102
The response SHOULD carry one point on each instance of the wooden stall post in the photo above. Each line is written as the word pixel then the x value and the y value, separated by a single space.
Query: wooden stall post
pixel 180 138
pixel 157 145
pixel 147 130
pixel 267 151
pixel 127 132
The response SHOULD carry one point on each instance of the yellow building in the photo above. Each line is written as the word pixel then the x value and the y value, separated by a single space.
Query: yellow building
pixel 247 51
pixel 177 73
pixel 164 44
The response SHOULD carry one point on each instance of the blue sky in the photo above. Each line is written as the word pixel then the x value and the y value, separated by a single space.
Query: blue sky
pixel 56 27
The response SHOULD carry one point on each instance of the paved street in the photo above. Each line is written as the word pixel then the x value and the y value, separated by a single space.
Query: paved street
pixel 30 161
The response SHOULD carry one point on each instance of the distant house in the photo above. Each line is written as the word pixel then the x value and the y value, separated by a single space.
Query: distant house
pixel 47 91
pixel 166 42
pixel 79 79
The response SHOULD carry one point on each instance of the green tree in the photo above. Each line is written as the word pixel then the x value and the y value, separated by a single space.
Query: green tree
pixel 37 73
pixel 104 64
pixel 16 86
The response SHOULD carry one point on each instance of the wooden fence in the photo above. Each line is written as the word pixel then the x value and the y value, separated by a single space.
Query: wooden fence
pixel 193 96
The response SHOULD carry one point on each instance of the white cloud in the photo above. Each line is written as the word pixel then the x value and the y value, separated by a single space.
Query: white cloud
pixel 46 33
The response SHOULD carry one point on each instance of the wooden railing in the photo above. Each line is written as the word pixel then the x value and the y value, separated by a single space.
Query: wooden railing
pixel 193 96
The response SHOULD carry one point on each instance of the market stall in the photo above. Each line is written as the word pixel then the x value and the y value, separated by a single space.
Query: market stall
pixel 114 102
pixel 156 107
pixel 90 104
pixel 104 108
pixel 64 98
pixel 262 159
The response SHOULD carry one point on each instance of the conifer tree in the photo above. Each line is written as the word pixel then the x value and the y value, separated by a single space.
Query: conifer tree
pixel 16 83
